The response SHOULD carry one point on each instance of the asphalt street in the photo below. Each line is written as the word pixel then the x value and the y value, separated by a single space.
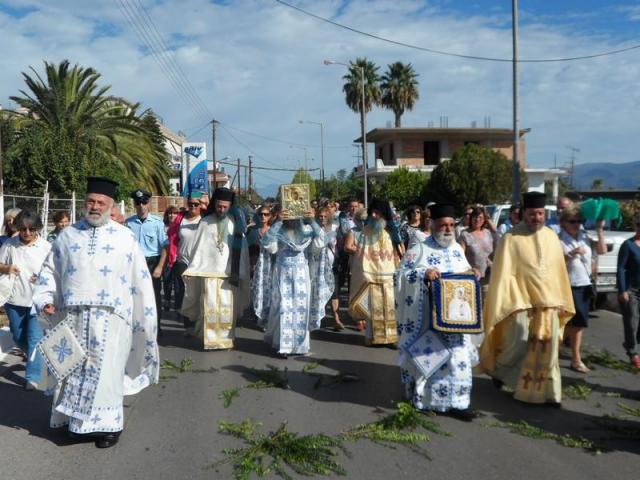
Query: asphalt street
pixel 171 429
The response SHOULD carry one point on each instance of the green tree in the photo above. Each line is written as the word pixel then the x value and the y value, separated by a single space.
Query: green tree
pixel 352 87
pixel 475 174
pixel 404 187
pixel 597 184
pixel 72 128
pixel 302 176
pixel 399 87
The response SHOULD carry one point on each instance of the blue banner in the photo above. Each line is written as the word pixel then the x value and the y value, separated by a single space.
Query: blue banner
pixel 198 179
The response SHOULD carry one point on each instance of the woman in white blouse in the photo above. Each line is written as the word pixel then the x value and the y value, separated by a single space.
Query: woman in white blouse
pixel 577 248
pixel 21 258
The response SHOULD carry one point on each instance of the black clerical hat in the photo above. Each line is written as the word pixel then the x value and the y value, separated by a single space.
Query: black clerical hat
pixel 534 200
pixel 223 193
pixel 442 210
pixel 102 185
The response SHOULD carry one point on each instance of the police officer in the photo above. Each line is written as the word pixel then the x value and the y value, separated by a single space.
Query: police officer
pixel 150 234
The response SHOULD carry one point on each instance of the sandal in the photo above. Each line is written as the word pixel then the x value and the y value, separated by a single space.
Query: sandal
pixel 580 368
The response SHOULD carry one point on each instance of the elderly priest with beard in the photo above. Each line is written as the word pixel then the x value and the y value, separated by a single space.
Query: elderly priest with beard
pixel 435 366
pixel 373 262
pixel 96 293
pixel 217 277
pixel 527 306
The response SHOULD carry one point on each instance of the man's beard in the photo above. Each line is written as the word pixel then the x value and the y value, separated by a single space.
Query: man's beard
pixel 222 215
pixel 444 239
pixel 377 224
pixel 96 218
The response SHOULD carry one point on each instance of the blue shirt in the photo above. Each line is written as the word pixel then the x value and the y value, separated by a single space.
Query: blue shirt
pixel 628 266
pixel 149 233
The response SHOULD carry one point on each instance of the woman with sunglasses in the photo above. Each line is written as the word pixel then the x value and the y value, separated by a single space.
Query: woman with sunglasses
pixel 629 292
pixel 21 257
pixel 578 255
pixel 411 225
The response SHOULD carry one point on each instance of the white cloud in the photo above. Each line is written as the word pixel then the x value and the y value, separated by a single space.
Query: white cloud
pixel 258 66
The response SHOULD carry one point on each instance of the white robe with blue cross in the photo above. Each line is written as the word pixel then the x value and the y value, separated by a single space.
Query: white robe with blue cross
pixel 289 326
pixel 98 280
pixel 435 367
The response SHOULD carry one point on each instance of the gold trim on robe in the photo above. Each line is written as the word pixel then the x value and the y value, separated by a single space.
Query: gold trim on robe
pixel 371 290
pixel 525 311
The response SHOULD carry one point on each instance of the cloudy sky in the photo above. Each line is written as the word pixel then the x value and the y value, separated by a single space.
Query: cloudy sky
pixel 257 67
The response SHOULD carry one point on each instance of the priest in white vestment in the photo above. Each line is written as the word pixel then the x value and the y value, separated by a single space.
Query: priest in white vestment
pixel 435 366
pixel 95 283
pixel 217 278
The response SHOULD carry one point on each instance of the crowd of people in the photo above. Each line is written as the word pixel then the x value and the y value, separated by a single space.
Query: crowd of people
pixel 453 295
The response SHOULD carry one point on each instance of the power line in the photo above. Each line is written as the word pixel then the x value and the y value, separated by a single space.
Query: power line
pixel 451 54
pixel 144 36
pixel 246 146
pixel 284 142
pixel 172 59
pixel 271 169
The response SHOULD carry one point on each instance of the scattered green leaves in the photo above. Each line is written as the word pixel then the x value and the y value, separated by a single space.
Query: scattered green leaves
pixel 280 452
pixel 228 395
pixel 634 412
pixel 604 358
pixel 273 377
pixel 612 394
pixel 577 391
pixel 399 427
pixel 531 431
pixel 186 365
pixel 310 366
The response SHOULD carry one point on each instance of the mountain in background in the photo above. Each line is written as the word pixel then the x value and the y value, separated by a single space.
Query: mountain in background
pixel 613 175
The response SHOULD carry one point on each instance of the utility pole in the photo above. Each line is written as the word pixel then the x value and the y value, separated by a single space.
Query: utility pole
pixel 238 174
pixel 213 151
pixel 515 194
pixel 250 178
pixel 572 159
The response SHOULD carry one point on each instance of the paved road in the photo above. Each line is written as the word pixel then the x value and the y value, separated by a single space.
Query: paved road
pixel 171 429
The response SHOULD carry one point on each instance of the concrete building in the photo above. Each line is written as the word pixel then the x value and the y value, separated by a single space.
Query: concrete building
pixel 423 149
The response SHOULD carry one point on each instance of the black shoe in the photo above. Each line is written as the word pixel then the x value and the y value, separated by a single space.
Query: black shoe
pixel 466 415
pixel 108 440
pixel 497 383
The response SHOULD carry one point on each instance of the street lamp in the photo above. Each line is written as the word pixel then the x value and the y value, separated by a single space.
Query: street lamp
pixel 321 147
pixel 363 133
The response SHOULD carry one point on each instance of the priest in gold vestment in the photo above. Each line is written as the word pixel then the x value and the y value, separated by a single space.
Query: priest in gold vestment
pixel 373 262
pixel 527 306
pixel 217 277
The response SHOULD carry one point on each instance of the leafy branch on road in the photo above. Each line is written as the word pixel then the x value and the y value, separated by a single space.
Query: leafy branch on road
pixel 323 380
pixel 634 412
pixel 316 454
pixel 604 358
pixel 525 429
pixel 398 427
pixel 185 366
pixel 280 451
pixel 273 377
pixel 577 391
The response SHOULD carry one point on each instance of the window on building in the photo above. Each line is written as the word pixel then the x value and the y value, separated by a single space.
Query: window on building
pixel 392 155
pixel 431 153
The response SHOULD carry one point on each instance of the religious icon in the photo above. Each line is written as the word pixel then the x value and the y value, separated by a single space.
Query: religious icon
pixel 295 199
pixel 456 304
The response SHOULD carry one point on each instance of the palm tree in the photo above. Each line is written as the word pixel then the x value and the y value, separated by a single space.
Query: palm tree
pixel 352 87
pixel 399 89
pixel 98 130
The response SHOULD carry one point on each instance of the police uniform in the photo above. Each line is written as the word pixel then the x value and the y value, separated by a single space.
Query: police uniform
pixel 151 236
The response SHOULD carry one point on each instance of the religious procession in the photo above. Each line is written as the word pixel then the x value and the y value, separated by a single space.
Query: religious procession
pixel 454 297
